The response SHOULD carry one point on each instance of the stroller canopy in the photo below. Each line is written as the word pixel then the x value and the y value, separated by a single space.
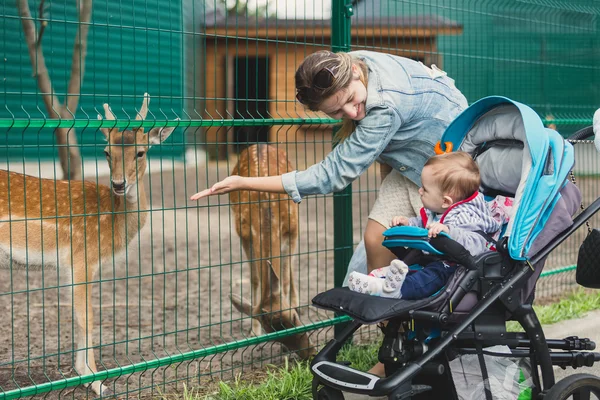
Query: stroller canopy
pixel 518 157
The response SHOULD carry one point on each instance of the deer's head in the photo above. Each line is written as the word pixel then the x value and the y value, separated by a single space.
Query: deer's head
pixel 276 314
pixel 126 151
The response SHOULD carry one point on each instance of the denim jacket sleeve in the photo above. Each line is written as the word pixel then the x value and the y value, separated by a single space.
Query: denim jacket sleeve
pixel 347 160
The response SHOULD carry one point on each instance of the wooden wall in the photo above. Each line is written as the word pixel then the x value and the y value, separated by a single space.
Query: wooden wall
pixel 283 59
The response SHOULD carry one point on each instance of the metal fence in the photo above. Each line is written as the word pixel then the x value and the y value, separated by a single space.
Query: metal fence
pixel 157 302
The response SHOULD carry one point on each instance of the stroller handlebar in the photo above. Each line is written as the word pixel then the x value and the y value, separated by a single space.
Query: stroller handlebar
pixel 582 134
pixel 418 238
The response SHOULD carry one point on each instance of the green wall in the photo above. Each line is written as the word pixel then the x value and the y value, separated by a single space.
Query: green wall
pixel 134 47
pixel 544 53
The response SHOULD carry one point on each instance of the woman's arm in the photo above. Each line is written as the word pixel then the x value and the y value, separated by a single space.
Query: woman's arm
pixel 231 183
pixel 349 159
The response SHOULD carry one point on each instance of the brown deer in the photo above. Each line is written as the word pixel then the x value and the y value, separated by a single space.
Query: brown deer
pixel 77 225
pixel 267 224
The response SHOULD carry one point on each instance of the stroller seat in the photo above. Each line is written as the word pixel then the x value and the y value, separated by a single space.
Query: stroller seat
pixel 369 309
pixel 517 158
pixel 449 300
pixel 372 309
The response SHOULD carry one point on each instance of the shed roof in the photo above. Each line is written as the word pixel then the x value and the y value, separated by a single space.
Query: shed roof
pixel 254 26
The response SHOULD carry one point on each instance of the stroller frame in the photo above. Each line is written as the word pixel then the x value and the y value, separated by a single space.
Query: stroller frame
pixel 421 371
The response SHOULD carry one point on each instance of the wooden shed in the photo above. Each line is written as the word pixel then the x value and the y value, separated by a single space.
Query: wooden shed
pixel 250 66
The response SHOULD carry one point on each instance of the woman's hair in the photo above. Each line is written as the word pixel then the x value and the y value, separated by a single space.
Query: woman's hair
pixel 340 66
pixel 456 173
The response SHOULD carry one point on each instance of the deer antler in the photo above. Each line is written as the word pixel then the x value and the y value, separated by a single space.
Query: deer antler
pixel 144 110
pixel 109 116
pixel 108 113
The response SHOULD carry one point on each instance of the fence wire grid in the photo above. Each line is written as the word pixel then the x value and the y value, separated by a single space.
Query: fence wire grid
pixel 153 275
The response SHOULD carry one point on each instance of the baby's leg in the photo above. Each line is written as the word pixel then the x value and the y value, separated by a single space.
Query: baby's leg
pixel 392 284
pixel 366 284
pixel 380 272
pixel 427 281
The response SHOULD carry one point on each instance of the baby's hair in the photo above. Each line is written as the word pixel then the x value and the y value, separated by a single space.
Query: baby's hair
pixel 340 64
pixel 456 173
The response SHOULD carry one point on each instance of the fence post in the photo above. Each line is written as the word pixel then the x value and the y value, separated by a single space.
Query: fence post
pixel 341 11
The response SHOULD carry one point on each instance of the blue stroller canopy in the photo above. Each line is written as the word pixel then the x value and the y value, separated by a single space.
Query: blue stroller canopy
pixel 519 157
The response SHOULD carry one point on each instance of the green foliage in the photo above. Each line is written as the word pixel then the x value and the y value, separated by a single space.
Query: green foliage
pixel 291 382
pixel 572 307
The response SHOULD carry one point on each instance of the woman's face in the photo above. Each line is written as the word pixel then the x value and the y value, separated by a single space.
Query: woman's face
pixel 349 102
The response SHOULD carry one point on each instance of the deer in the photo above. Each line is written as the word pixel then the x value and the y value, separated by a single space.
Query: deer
pixel 76 226
pixel 267 224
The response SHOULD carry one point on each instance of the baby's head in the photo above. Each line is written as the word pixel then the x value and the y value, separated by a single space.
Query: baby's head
pixel 447 179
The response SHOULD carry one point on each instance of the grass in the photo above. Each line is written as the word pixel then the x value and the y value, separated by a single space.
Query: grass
pixel 293 380
pixel 289 382
pixel 576 305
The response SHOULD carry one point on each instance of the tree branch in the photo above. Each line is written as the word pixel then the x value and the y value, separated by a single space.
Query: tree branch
pixel 79 54
pixel 68 151
pixel 38 63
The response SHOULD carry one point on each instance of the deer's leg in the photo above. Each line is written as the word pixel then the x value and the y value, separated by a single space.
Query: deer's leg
pixel 288 279
pixel 255 280
pixel 82 303
pixel 255 276
pixel 294 298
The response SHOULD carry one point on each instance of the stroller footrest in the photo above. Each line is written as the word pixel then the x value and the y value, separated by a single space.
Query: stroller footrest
pixel 344 376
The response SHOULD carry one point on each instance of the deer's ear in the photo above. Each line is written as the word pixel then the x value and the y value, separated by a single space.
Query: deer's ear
pixel 274 273
pixel 242 305
pixel 159 135
pixel 296 318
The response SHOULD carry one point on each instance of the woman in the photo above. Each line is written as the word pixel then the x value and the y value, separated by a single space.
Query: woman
pixel 394 111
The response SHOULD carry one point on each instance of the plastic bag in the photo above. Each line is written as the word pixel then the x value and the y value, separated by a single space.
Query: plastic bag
pixel 509 378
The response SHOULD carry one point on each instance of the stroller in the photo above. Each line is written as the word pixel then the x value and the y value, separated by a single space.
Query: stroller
pixel 519 158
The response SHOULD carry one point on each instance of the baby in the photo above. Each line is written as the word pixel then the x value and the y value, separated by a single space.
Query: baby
pixel 452 204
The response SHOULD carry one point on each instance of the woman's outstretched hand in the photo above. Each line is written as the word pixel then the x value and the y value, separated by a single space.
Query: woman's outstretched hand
pixel 229 184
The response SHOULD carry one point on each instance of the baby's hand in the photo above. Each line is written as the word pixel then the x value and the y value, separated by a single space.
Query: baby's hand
pixel 396 221
pixel 435 228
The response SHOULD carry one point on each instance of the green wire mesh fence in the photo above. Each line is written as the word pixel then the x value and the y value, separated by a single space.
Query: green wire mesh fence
pixel 219 74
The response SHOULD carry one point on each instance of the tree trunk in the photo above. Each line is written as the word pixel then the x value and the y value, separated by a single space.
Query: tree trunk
pixel 70 158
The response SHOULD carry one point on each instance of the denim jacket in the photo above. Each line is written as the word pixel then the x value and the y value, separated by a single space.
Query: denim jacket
pixel 408 107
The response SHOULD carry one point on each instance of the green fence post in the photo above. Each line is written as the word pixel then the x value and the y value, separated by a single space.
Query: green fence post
pixel 341 11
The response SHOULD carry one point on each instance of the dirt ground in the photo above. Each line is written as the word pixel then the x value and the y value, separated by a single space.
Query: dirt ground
pixel 169 293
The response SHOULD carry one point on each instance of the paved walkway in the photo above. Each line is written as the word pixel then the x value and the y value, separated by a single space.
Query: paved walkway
pixel 586 327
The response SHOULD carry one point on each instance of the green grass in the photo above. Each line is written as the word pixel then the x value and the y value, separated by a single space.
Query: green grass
pixel 293 381
pixel 361 357
pixel 576 305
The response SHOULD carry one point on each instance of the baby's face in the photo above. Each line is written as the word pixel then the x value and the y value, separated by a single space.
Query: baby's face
pixel 431 193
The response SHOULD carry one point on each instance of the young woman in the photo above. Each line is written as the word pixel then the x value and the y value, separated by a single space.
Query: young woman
pixel 394 110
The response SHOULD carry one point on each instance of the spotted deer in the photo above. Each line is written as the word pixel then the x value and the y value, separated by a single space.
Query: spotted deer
pixel 76 226
pixel 267 224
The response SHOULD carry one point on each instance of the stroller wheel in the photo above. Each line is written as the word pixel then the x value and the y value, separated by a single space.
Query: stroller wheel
pixel 576 386
pixel 327 393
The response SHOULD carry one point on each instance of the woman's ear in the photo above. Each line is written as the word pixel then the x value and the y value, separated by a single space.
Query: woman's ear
pixel 355 71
